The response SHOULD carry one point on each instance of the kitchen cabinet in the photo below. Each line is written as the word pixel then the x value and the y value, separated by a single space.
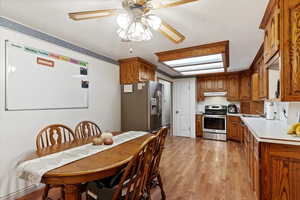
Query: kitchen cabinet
pixel 210 84
pixel 290 50
pixel 271 27
pixel 263 80
pixel 255 86
pixel 281 26
pixel 252 107
pixel 199 131
pixel 200 89
pixel 220 84
pixel 245 86
pixel 280 171
pixel 274 169
pixel 136 70
pixel 215 84
pixel 233 86
pixel 234 128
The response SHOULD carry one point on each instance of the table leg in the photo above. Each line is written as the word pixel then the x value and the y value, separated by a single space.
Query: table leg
pixel 72 192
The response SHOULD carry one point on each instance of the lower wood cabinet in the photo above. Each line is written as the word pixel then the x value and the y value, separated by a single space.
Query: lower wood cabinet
pixel 234 128
pixel 199 131
pixel 274 169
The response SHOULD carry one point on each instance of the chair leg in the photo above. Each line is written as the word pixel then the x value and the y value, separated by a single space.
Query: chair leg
pixel 46 191
pixel 163 194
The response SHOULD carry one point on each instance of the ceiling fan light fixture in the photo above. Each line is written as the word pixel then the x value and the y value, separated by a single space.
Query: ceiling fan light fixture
pixel 153 21
pixel 123 20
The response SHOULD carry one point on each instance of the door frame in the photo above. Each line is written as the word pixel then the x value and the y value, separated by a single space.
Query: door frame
pixel 171 114
pixel 192 86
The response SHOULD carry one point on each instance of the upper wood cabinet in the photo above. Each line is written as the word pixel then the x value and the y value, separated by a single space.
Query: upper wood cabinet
pixel 214 84
pixel 200 89
pixel 282 34
pixel 263 80
pixel 255 87
pixel 210 84
pixel 220 84
pixel 290 50
pixel 271 26
pixel 135 70
pixel 233 86
pixel 245 86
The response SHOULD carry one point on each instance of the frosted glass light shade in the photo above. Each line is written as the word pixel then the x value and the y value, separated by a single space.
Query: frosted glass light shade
pixel 123 20
pixel 153 21
pixel 136 31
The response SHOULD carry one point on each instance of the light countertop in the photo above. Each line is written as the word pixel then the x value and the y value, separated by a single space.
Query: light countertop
pixel 272 131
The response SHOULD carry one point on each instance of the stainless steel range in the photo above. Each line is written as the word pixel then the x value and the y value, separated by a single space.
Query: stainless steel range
pixel 214 122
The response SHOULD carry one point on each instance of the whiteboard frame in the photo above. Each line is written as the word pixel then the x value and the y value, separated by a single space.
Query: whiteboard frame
pixel 34 109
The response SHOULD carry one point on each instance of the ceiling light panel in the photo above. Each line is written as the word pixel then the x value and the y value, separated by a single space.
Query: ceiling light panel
pixel 200 67
pixel 195 60
pixel 209 71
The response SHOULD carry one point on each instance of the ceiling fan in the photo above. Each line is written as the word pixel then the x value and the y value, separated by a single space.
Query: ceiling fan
pixel 136 20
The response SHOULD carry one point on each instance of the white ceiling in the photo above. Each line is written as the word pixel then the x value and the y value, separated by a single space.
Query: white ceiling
pixel 201 22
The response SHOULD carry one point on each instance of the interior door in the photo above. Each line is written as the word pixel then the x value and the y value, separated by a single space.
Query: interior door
pixel 182 108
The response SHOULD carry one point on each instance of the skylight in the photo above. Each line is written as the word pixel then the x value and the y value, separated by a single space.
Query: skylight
pixel 208 71
pixel 195 60
pixel 200 67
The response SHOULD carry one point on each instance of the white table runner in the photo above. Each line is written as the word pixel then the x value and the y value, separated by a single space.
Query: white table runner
pixel 33 170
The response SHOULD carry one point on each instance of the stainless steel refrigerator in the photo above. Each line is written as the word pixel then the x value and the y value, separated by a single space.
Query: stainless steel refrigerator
pixel 141 106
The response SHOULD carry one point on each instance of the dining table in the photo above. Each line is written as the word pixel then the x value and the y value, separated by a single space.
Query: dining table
pixel 97 166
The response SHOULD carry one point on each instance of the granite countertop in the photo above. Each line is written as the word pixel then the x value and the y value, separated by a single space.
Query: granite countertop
pixel 272 131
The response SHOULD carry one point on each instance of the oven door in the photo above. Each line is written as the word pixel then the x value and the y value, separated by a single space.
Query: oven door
pixel 214 123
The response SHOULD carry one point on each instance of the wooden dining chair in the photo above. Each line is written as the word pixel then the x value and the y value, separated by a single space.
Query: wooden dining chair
pixel 129 183
pixel 154 174
pixel 49 136
pixel 87 129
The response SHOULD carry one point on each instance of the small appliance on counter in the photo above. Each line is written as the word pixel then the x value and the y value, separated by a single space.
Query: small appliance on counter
pixel 214 122
pixel 233 109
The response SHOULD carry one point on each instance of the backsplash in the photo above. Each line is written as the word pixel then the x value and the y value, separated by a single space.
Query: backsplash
pixel 213 101
pixel 292 111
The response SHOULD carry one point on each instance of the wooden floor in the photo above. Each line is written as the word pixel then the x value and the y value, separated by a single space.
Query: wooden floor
pixel 199 170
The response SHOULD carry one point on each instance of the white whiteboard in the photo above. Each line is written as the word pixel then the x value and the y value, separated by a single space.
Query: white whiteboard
pixel 32 86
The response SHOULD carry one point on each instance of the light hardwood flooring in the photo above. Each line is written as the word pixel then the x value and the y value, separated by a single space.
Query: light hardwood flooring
pixel 198 170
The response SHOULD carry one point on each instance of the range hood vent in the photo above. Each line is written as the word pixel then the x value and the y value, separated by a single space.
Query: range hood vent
pixel 215 94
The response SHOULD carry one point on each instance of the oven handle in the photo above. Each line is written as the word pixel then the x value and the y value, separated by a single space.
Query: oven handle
pixel 215 116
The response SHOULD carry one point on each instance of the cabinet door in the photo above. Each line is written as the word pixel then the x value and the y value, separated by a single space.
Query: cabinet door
pixel 129 72
pixel 209 84
pixel 290 50
pixel 199 125
pixel 263 80
pixel 233 87
pixel 255 87
pixel 220 84
pixel 245 89
pixel 200 89
pixel 234 128
pixel 280 172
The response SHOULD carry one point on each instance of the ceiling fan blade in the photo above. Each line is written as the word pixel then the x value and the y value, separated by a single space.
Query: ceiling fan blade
pixel 169 3
pixel 171 33
pixel 92 14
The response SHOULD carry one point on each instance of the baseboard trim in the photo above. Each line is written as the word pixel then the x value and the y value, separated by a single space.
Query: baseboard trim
pixel 21 193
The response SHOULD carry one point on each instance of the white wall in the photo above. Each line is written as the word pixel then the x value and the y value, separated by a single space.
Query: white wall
pixel 19 128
